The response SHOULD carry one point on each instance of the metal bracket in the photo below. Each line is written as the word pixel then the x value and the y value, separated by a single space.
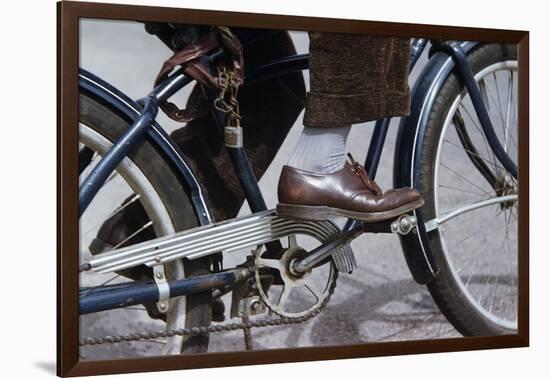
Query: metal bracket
pixel 404 224
pixel 251 306
pixel 159 275
pixel 243 302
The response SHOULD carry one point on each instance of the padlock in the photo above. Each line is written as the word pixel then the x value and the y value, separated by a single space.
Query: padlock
pixel 233 136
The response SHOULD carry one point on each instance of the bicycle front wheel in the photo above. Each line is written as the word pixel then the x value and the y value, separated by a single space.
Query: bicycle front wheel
pixel 471 199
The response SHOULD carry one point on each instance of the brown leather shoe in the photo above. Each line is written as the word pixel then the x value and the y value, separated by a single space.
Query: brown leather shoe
pixel 348 193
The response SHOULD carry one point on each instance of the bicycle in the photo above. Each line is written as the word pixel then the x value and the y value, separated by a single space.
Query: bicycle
pixel 453 115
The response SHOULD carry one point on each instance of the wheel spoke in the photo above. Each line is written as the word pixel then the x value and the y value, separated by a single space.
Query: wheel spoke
pixel 513 112
pixel 135 233
pixel 497 106
pixel 134 197
pixel 479 130
pixel 464 178
pixel 501 114
pixel 476 194
pixel 484 95
pixel 472 153
pixel 101 285
pixel 508 111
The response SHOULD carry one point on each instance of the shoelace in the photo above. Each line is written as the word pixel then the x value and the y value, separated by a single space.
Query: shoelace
pixel 360 171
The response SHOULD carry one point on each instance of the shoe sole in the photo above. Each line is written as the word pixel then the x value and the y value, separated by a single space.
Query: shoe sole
pixel 323 213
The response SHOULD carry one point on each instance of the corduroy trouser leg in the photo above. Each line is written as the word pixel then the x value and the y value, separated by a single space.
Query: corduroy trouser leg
pixel 356 78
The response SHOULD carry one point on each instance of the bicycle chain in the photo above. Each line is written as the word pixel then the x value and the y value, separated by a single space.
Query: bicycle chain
pixel 194 331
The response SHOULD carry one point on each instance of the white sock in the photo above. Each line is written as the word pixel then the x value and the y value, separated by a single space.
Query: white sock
pixel 321 149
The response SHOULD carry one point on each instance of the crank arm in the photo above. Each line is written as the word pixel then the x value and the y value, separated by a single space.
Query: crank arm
pixel 402 225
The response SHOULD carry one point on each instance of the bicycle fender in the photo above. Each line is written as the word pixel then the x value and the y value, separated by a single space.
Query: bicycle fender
pixel 408 148
pixel 129 109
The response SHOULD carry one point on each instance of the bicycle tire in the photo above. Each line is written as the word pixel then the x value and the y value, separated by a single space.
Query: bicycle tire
pixel 444 288
pixel 148 158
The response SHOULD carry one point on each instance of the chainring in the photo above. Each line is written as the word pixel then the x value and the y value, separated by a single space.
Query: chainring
pixel 292 281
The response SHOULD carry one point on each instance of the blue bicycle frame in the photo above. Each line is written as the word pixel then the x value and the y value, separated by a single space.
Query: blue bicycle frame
pixel 445 57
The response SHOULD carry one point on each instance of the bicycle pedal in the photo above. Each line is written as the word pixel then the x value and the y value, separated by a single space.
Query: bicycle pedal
pixel 404 224
pixel 401 225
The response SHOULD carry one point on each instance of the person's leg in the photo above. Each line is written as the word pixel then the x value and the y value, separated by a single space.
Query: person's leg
pixel 353 79
pixel 321 150
pixel 270 108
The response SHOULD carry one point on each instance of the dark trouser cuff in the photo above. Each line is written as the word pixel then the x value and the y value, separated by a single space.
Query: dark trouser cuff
pixel 328 110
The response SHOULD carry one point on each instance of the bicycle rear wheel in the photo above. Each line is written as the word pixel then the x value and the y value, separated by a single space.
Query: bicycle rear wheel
pixel 471 200
pixel 146 180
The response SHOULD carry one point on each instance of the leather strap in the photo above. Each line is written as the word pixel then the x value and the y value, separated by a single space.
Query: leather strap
pixel 189 60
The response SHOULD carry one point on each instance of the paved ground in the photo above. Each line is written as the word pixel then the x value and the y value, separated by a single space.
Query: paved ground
pixel 379 302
